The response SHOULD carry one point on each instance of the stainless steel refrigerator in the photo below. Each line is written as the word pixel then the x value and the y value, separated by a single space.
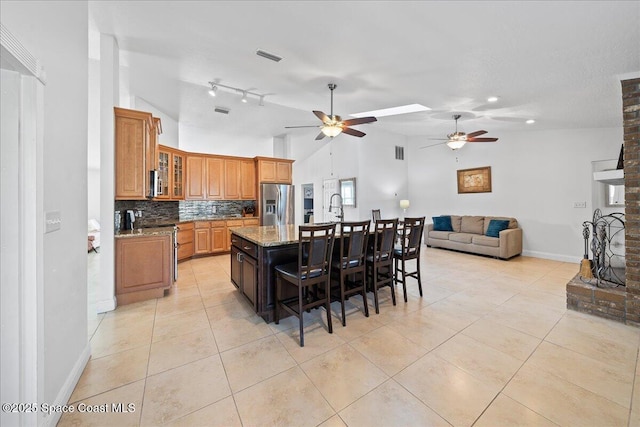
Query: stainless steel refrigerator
pixel 278 204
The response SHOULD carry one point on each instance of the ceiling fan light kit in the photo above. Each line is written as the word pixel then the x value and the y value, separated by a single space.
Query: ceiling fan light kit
pixel 333 125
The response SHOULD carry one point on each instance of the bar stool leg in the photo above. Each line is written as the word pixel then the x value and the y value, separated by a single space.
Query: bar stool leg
pixel 364 294
pixel 328 306
pixel 342 285
pixel 404 279
pixel 276 316
pixel 419 276
pixel 300 316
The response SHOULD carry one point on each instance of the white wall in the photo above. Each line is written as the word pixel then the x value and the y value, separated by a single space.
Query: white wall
pixel 381 181
pixel 56 33
pixel 169 136
pixel 199 140
pixel 536 175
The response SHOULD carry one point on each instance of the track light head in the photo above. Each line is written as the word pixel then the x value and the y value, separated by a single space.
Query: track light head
pixel 213 90
pixel 244 96
pixel 261 101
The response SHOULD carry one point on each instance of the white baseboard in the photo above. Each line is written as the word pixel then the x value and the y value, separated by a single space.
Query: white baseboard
pixel 106 305
pixel 69 385
pixel 553 257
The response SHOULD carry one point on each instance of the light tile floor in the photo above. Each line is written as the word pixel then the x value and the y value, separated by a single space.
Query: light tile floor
pixel 490 344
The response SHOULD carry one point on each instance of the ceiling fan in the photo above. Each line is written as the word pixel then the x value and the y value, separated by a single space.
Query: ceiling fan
pixel 457 139
pixel 334 125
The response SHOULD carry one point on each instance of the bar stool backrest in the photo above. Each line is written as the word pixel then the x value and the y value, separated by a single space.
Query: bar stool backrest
pixel 375 214
pixel 315 248
pixel 384 238
pixel 353 243
pixel 412 235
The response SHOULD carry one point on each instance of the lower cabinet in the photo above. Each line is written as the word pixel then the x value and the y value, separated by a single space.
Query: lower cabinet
pixel 244 268
pixel 185 240
pixel 144 267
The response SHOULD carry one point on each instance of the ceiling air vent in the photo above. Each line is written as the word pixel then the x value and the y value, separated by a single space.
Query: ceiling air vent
pixel 222 110
pixel 268 55
pixel 399 152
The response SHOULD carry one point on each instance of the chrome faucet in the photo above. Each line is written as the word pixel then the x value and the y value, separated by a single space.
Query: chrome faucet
pixel 331 206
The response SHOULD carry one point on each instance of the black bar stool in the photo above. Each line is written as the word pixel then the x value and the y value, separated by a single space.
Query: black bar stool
pixel 311 275
pixel 380 258
pixel 410 239
pixel 351 263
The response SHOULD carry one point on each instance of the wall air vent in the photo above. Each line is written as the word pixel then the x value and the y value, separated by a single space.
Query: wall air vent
pixel 399 152
pixel 268 55
pixel 222 110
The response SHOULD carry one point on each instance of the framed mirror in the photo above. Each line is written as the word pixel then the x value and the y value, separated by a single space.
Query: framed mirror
pixel 348 192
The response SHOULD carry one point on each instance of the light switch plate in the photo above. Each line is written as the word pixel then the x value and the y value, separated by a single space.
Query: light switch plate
pixel 579 204
pixel 52 221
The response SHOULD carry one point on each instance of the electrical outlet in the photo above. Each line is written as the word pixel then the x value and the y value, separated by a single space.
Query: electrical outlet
pixel 52 221
pixel 214 209
pixel 579 204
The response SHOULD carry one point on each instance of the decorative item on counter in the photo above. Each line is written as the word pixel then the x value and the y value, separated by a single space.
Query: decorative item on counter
pixel 248 211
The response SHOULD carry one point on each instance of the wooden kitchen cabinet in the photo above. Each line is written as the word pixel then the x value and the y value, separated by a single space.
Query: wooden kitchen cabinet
pixel 215 178
pixel 196 178
pixel 244 268
pixel 133 144
pixel 171 173
pixel 218 237
pixel 185 240
pixel 248 179
pixel 231 179
pixel 273 170
pixel 231 223
pixel 202 238
pixel 144 267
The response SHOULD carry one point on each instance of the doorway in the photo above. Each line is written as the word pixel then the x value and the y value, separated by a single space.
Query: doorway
pixel 307 203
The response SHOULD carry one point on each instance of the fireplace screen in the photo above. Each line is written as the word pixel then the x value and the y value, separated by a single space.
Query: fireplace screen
pixel 604 237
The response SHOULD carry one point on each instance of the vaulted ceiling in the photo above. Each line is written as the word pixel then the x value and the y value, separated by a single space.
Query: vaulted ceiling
pixel 558 62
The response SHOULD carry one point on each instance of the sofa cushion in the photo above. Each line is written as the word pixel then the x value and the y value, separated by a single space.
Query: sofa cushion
pixel 442 223
pixel 486 241
pixel 455 222
pixel 496 226
pixel 472 224
pixel 513 223
pixel 442 235
pixel 461 237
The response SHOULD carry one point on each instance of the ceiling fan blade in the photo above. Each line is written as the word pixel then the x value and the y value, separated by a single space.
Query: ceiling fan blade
pixel 482 139
pixel 476 133
pixel 432 145
pixel 322 116
pixel 359 121
pixel 353 132
pixel 320 136
pixel 296 127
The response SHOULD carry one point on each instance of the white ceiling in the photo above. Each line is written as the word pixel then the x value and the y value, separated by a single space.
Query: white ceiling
pixel 557 62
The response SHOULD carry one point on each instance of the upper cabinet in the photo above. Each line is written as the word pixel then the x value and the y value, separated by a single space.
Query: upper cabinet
pixel 171 173
pixel 220 178
pixel 274 170
pixel 135 152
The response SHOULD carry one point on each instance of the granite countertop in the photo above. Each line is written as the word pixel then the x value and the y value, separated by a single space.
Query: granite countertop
pixel 271 235
pixel 144 232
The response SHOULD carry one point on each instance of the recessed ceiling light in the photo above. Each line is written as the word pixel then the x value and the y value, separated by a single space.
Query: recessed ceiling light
pixel 492 99
pixel 530 121
pixel 393 111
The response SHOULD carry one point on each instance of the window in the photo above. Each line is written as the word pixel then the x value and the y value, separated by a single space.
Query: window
pixel 348 192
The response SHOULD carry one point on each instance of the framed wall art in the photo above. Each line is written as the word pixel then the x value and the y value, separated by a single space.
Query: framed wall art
pixel 476 180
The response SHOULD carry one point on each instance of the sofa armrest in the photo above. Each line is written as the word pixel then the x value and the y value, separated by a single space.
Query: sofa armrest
pixel 510 242
pixel 427 229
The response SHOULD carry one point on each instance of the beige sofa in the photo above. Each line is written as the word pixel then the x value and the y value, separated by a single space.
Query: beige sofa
pixel 469 235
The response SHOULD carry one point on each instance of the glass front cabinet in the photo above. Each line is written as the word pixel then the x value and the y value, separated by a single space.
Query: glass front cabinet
pixel 171 173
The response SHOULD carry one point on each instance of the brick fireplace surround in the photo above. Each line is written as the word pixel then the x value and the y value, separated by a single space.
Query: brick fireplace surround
pixel 622 303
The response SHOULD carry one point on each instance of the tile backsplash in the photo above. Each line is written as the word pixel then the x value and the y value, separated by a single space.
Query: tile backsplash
pixel 162 213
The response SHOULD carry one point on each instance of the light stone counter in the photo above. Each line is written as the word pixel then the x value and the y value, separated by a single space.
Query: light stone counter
pixel 140 232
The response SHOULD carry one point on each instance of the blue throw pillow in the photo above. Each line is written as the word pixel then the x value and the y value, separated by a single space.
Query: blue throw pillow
pixel 496 226
pixel 442 223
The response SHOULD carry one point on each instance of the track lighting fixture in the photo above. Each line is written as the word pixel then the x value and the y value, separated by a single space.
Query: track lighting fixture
pixel 245 93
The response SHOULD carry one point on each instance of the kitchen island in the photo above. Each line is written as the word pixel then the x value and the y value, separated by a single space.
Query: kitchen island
pixel 255 252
